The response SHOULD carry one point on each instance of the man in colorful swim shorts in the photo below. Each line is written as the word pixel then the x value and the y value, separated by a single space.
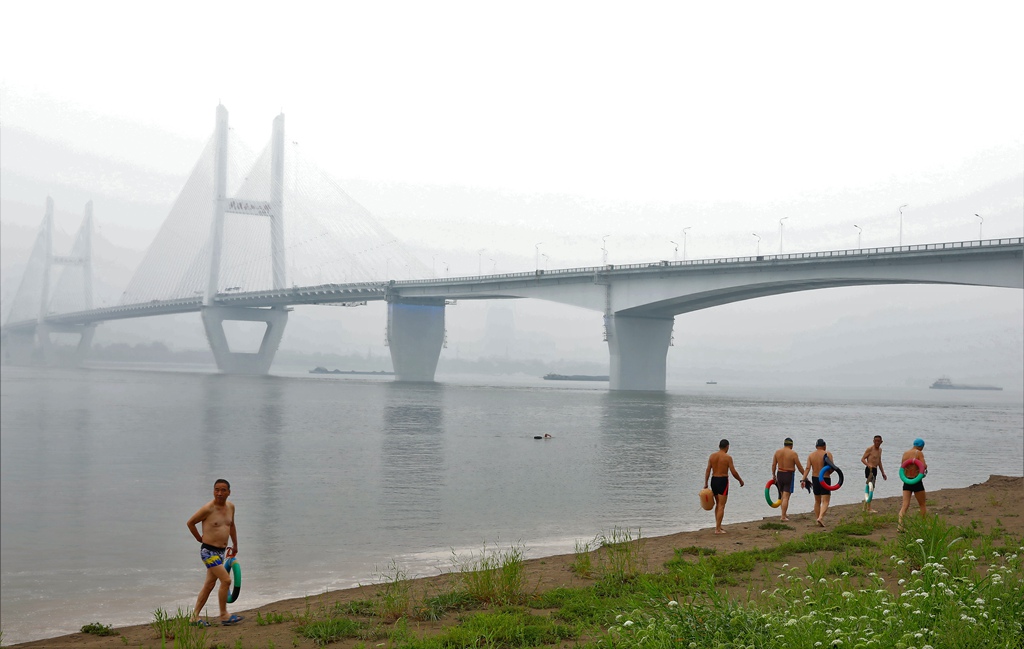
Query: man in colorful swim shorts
pixel 785 462
pixel 719 465
pixel 815 462
pixel 916 452
pixel 218 519
pixel 872 461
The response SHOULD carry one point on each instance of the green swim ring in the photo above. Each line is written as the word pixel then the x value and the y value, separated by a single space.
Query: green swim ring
pixel 235 570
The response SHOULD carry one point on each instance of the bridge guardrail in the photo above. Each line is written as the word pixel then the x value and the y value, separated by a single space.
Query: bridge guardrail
pixel 925 247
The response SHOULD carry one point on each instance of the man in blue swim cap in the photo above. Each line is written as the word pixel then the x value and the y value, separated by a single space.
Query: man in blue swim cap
pixel 912 470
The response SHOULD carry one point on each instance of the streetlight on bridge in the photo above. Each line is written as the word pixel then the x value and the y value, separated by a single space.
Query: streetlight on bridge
pixel 859 230
pixel 675 255
pixel 684 241
pixel 536 255
pixel 604 249
pixel 981 223
pixel 901 222
pixel 758 243
pixel 480 261
pixel 780 233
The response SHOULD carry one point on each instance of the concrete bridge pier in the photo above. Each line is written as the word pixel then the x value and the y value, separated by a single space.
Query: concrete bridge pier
pixel 230 362
pixel 35 347
pixel 415 337
pixel 19 347
pixel 638 348
pixel 46 346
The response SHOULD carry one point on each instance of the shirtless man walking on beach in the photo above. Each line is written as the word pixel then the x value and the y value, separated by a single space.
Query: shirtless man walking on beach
pixel 872 461
pixel 815 462
pixel 916 452
pixel 218 519
pixel 719 466
pixel 785 462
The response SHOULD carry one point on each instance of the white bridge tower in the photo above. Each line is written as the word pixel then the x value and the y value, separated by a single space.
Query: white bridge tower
pixel 214 315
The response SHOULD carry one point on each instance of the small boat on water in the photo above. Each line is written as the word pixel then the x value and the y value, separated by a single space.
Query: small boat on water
pixel 710 382
pixel 575 377
pixel 944 383
pixel 324 370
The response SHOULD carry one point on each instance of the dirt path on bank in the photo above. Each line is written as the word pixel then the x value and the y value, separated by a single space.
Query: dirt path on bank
pixel 1000 497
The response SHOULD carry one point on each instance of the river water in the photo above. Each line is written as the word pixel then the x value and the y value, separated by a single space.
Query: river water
pixel 335 478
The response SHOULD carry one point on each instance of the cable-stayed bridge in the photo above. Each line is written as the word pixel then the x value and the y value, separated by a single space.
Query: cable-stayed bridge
pixel 251 235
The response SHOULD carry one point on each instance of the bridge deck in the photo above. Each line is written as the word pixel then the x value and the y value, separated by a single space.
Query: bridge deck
pixel 496 286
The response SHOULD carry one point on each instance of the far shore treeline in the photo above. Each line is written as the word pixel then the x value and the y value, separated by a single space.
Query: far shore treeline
pixel 158 352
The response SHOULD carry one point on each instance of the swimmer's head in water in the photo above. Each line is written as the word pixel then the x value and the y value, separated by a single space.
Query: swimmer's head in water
pixel 918 443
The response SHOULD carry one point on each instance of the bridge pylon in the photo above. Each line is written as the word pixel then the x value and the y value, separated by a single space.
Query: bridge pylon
pixel 34 299
pixel 213 315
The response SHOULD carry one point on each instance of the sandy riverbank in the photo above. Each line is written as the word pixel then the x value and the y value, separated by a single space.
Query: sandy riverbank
pixel 1000 497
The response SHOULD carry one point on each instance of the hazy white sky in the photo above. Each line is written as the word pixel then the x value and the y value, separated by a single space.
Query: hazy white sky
pixel 865 106
pixel 643 118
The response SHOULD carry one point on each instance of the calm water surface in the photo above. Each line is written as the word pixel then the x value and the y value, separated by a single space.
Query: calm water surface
pixel 333 478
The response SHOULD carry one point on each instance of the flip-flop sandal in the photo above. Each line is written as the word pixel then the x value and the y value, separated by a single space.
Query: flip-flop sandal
pixel 231 621
pixel 202 623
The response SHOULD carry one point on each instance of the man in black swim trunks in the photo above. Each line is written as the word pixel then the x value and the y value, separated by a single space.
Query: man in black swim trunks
pixel 720 464
pixel 872 461
pixel 218 519
pixel 785 463
pixel 816 461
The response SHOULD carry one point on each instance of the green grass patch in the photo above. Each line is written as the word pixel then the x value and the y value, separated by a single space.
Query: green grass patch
pixel 494 576
pixel 621 555
pixel 95 628
pixel 272 617
pixel 179 628
pixel 506 628
pixel 582 563
pixel 436 607
pixel 361 607
pixel 393 599
pixel 694 550
pixel 854 528
pixel 822 541
pixel 771 525
pixel 333 629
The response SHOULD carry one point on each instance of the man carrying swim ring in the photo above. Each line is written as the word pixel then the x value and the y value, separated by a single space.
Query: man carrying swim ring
pixel 911 470
pixel 720 464
pixel 785 462
pixel 872 461
pixel 218 519
pixel 816 461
